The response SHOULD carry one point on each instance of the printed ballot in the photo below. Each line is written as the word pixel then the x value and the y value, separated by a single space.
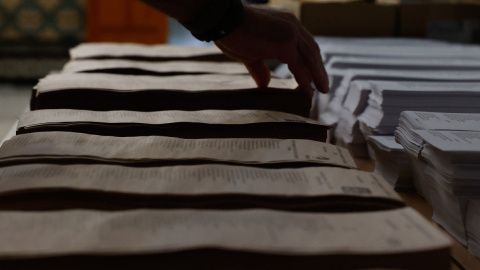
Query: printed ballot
pixel 110 187
pixel 104 92
pixel 181 124
pixel 135 51
pixel 69 147
pixel 167 68
pixel 222 239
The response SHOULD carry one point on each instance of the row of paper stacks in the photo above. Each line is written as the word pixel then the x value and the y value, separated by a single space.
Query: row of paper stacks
pixel 136 157
pixel 442 149
pixel 374 80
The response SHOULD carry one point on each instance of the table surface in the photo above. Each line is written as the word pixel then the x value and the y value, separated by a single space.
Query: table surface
pixel 462 259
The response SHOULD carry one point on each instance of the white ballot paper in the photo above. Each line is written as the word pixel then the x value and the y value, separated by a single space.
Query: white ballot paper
pixel 128 83
pixel 197 180
pixel 453 153
pixel 387 143
pixel 389 99
pixel 454 142
pixel 358 62
pixel 338 95
pixel 106 49
pixel 77 232
pixel 395 51
pixel 98 66
pixel 234 117
pixel 357 97
pixel 414 93
pixel 379 41
pixel 391 162
pixel 147 149
pixel 440 121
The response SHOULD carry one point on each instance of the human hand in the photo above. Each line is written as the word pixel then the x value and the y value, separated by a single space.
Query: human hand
pixel 266 33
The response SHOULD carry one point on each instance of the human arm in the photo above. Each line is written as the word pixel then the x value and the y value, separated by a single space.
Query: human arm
pixel 261 34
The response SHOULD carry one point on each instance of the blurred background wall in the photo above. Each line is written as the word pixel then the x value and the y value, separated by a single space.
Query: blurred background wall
pixel 35 35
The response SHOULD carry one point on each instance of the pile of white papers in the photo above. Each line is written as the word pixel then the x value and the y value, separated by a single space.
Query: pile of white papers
pixel 351 63
pixel 119 66
pixel 105 50
pixel 366 48
pixel 388 99
pixel 180 124
pixel 243 239
pixel 70 147
pixel 399 56
pixel 337 95
pixel 373 107
pixel 444 149
pixel 381 63
pixel 398 48
pixel 391 162
pixel 318 189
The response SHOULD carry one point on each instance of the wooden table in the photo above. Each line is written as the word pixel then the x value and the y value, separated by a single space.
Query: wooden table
pixel 462 259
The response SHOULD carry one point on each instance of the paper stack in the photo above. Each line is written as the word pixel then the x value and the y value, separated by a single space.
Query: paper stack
pixel 378 114
pixel 111 187
pixel 381 54
pixel 209 239
pixel 381 63
pixel 378 41
pixel 141 52
pixel 102 92
pixel 337 96
pixel 411 55
pixel 192 170
pixel 388 100
pixel 391 162
pixel 399 48
pixel 130 67
pixel 444 149
pixel 70 147
pixel 180 124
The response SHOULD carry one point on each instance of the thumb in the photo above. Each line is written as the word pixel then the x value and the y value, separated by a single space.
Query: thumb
pixel 259 72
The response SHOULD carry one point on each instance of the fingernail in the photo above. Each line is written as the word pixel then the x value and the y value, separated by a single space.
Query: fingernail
pixel 313 86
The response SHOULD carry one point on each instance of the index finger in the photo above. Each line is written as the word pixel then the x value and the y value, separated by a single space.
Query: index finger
pixel 310 53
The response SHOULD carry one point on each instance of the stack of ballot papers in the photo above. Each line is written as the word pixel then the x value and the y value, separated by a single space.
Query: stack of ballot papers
pixel 142 52
pixel 181 124
pixel 102 92
pixel 71 147
pixel 373 107
pixel 209 239
pixel 136 156
pixel 352 62
pixel 366 48
pixel 112 187
pixel 339 94
pixel 130 67
pixel 391 162
pixel 378 41
pixel 382 54
pixel 422 56
pixel 388 100
pixel 357 47
pixel 443 149
pixel 398 48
